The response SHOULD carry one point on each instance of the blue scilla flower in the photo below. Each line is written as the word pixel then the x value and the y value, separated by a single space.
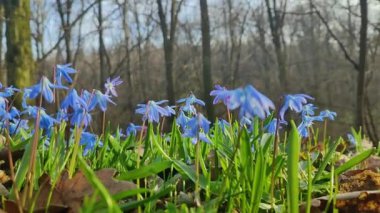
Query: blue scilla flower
pixel 197 125
pixel 189 103
pixel 25 96
pixel 152 111
pixel 251 102
pixel 351 139
pixel 255 103
pixel 81 116
pixel 89 141
pixel 245 121
pixel 64 70
pixel 328 114
pixel 308 109
pixel 101 100
pixel 182 120
pixel 271 126
pixel 62 115
pixel 294 102
pixel 221 94
pixel 13 113
pixel 191 100
pixel 223 124
pixel 46 121
pixel 169 111
pixel 87 96
pixel 3 105
pixel 110 85
pixel 16 125
pixel 132 129
pixel 8 92
pixel 30 111
pixel 72 100
pixel 307 122
pixel 44 87
pixel 202 137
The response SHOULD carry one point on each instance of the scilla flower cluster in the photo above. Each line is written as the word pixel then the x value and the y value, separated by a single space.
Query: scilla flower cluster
pixel 76 108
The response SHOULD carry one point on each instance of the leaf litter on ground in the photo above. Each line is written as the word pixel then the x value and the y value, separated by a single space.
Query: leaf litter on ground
pixel 68 194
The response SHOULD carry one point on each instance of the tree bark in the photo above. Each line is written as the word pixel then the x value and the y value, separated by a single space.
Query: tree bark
pixel 361 87
pixel 276 23
pixel 206 58
pixel 169 41
pixel 64 12
pixel 104 66
pixel 3 75
pixel 19 58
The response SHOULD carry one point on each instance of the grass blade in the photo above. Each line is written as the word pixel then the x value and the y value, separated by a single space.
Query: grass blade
pixel 354 161
pixel 145 171
pixel 293 158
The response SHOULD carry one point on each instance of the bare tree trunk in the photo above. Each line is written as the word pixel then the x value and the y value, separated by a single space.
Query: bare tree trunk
pixel 238 49
pixel 206 58
pixel 140 51
pixel 126 42
pixel 359 65
pixel 168 35
pixel 130 77
pixel 19 58
pixel 3 75
pixel 38 19
pixel 103 62
pixel 225 52
pixel 232 41
pixel 361 87
pixel 64 11
pixel 276 23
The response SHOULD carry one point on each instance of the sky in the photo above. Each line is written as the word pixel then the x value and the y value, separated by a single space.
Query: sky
pixel 189 13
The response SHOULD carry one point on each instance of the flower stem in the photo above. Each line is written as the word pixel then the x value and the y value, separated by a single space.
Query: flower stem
pixel 197 189
pixel 78 132
pixel 138 146
pixel 309 178
pixel 103 123
pixel 11 166
pixel 33 155
pixel 276 138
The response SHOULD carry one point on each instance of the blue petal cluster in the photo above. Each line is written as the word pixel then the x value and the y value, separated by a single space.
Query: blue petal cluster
pixel 110 85
pixel 294 102
pixel 251 102
pixel 64 70
pixel 152 111
pixel 44 87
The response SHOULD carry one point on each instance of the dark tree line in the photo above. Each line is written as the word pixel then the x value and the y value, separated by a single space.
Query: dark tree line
pixel 323 47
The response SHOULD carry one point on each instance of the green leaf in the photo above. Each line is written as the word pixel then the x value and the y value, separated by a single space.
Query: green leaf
pixel 354 161
pixel 135 204
pixel 22 170
pixel 145 171
pixel 97 184
pixel 259 179
pixel 293 152
pixel 190 173
pixel 326 160
pixel 129 193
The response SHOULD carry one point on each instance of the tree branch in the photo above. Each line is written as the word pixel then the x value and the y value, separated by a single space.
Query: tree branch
pixel 341 45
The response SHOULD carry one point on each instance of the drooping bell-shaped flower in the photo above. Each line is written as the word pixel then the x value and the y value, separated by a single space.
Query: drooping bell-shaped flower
pixel 64 70
pixel 44 87
pixel 152 111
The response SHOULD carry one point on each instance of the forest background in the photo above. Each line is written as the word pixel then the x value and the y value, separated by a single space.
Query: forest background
pixel 164 49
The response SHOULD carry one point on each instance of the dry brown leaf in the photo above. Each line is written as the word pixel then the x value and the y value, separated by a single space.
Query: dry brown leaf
pixel 358 201
pixel 70 193
pixel 359 180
